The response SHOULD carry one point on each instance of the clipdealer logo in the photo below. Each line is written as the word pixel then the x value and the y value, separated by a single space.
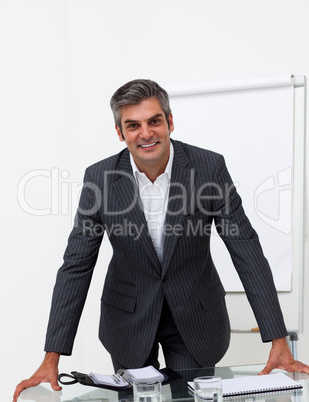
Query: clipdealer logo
pixel 64 194
pixel 277 187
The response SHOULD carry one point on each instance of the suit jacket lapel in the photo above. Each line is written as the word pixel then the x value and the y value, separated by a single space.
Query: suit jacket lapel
pixel 126 190
pixel 181 189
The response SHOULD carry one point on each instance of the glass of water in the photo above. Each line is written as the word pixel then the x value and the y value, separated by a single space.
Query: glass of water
pixel 147 391
pixel 207 389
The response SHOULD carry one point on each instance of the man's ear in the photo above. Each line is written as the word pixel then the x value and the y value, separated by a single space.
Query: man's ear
pixel 171 123
pixel 120 136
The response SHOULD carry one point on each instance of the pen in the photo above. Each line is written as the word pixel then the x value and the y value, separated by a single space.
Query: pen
pixel 116 379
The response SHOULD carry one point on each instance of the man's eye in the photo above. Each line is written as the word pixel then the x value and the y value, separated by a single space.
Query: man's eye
pixel 156 121
pixel 132 125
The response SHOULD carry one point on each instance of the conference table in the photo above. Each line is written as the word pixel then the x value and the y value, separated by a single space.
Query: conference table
pixel 176 391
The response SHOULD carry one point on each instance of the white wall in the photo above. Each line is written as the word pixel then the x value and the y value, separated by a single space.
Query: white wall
pixel 60 63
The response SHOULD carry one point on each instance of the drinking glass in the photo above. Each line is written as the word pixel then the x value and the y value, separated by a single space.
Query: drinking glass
pixel 149 391
pixel 207 389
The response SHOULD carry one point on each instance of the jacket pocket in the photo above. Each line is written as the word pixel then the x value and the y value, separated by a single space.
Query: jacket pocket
pixel 118 300
pixel 212 296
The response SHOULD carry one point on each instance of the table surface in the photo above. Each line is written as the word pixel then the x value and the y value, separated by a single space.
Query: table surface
pixel 177 391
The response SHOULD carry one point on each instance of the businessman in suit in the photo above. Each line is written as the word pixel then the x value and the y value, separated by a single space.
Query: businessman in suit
pixel 157 200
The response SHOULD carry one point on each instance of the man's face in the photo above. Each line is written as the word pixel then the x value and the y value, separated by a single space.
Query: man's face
pixel 146 134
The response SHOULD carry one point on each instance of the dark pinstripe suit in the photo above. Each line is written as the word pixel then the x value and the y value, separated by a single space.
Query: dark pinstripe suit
pixel 201 192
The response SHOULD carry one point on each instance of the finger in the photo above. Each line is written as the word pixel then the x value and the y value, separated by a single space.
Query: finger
pixel 31 382
pixel 16 395
pixel 55 386
pixel 299 367
pixel 20 387
pixel 267 369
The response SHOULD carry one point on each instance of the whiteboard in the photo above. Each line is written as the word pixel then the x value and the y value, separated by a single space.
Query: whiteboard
pixel 251 122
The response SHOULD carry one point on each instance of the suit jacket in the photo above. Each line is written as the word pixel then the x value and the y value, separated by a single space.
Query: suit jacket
pixel 136 283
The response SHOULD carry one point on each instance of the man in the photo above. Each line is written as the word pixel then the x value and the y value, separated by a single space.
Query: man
pixel 161 285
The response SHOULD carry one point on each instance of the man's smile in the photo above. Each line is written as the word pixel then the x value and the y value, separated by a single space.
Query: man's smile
pixel 148 145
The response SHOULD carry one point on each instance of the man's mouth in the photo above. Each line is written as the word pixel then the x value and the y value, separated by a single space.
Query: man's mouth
pixel 148 145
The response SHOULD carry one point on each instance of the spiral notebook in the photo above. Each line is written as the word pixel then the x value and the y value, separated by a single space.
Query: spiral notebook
pixel 256 384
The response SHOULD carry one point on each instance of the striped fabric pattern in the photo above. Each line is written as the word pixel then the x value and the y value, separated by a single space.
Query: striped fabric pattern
pixel 137 283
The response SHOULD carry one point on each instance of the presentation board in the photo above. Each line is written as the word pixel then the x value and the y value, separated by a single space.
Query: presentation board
pixel 252 123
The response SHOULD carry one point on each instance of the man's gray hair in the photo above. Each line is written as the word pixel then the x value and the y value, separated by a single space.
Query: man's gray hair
pixel 134 92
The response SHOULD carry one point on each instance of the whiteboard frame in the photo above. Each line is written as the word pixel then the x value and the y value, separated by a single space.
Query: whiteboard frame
pixel 300 107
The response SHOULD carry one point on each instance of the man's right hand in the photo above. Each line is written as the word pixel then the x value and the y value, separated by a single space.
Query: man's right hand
pixel 47 372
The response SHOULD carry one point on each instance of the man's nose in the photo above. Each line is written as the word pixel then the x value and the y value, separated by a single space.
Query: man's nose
pixel 146 132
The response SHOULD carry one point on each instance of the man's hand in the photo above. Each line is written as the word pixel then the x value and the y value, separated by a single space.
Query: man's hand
pixel 280 357
pixel 47 372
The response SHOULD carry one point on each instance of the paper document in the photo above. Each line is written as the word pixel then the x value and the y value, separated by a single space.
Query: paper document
pixel 256 384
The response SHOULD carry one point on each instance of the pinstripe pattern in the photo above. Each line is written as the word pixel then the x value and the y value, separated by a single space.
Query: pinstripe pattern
pixel 136 283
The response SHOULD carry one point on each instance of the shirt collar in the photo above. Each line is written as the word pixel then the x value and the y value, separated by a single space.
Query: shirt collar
pixel 168 168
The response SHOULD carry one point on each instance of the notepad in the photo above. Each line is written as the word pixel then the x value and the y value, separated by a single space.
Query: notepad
pixel 124 378
pixel 256 384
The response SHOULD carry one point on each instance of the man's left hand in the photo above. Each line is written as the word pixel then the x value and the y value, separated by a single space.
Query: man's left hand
pixel 280 357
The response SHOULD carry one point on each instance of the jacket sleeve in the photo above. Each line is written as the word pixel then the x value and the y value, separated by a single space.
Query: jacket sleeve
pixel 74 276
pixel 246 252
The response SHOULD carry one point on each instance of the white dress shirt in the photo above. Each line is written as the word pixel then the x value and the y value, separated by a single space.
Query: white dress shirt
pixel 154 197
